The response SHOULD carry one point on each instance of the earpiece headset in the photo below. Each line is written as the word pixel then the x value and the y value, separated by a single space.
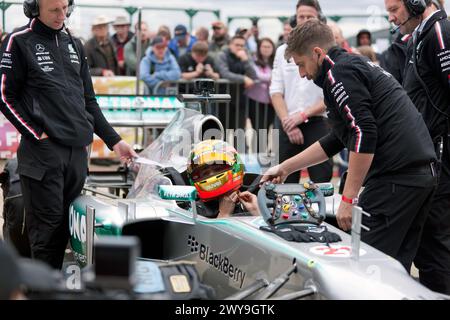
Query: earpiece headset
pixel 415 7
pixel 31 8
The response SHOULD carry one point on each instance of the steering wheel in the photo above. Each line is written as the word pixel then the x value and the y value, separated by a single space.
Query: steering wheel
pixel 291 203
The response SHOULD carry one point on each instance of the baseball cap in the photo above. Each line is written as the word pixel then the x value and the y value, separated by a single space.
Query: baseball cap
pixel 180 31
pixel 241 31
pixel 157 40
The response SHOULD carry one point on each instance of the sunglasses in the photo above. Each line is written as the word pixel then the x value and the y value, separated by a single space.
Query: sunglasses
pixel 217 28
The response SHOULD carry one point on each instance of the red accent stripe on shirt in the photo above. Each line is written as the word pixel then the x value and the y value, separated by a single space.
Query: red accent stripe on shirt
pixel 406 37
pixel 437 26
pixel 331 78
pixel 8 47
pixel 11 109
pixel 329 60
pixel 357 129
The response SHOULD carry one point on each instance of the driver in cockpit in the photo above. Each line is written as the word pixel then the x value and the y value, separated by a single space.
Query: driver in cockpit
pixel 217 172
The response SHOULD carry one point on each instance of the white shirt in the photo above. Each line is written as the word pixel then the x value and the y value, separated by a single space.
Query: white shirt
pixel 299 93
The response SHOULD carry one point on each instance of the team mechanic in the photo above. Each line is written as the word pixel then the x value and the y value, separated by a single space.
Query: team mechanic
pixel 427 82
pixel 390 147
pixel 47 94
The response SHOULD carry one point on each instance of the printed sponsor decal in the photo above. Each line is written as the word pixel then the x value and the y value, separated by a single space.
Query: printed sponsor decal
pixel 335 251
pixel 217 260
pixel 77 225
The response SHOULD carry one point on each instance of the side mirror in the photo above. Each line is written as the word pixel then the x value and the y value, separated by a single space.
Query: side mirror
pixel 178 193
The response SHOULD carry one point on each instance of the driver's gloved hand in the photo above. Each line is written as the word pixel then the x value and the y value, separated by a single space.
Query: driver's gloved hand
pixel 285 232
pixel 318 233
pixel 303 233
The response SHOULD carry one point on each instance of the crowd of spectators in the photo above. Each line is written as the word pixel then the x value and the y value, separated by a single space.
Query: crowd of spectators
pixel 215 52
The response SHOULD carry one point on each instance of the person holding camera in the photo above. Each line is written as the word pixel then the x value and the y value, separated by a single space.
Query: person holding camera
pixel 198 64
pixel 47 94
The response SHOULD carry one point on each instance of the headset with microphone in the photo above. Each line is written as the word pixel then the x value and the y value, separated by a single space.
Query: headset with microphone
pixel 31 8
pixel 415 8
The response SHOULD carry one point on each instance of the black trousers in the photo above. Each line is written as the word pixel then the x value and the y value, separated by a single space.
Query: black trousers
pixel 261 115
pixel 316 128
pixel 232 115
pixel 398 214
pixel 52 176
pixel 433 256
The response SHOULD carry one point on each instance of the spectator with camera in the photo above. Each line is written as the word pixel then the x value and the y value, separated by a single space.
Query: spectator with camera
pixel 198 64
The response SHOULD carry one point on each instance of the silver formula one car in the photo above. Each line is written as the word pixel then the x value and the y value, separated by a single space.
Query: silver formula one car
pixel 238 256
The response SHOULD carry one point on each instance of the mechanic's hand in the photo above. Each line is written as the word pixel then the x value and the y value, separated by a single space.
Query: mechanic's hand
pixel 124 151
pixel 121 64
pixel 250 202
pixel 296 136
pixel 227 205
pixel 344 216
pixel 276 174
pixel 292 121
pixel 248 82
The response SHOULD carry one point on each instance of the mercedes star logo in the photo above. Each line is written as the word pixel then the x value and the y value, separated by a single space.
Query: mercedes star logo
pixel 40 47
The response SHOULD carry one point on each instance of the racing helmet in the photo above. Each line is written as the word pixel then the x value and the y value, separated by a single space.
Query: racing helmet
pixel 214 168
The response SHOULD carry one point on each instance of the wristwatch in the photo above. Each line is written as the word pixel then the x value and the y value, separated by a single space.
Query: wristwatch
pixel 349 200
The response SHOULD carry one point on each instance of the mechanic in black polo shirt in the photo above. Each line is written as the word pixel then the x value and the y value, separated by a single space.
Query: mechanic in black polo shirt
pixel 427 82
pixel 47 94
pixel 391 152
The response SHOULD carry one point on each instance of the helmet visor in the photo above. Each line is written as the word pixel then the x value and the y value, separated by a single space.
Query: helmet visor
pixel 206 171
